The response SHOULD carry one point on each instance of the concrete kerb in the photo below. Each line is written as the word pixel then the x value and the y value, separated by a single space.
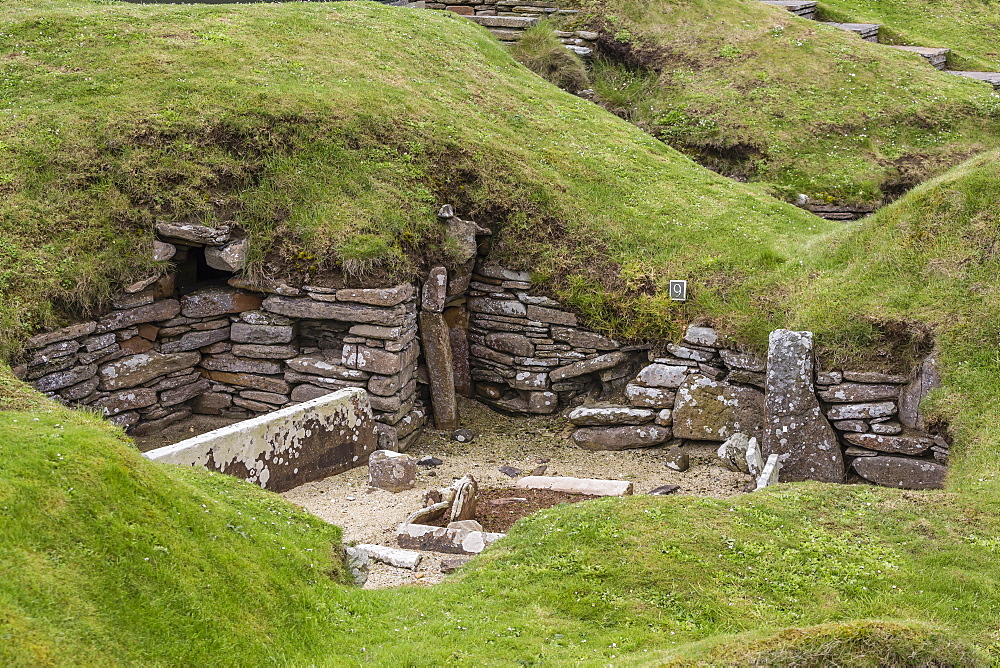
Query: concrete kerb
pixel 286 448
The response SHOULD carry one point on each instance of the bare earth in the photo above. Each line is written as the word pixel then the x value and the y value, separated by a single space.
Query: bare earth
pixel 370 515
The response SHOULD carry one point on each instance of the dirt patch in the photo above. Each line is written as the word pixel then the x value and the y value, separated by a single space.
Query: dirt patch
pixel 499 508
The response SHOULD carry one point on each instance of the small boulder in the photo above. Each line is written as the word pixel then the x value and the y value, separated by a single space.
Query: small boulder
pixel 663 490
pixel 357 564
pixel 463 435
pixel 676 459
pixel 392 471
pixel 733 453
pixel 468 525
pixel 511 471
pixel 429 461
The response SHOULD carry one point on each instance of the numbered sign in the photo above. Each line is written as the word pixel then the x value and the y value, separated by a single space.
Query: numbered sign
pixel 679 291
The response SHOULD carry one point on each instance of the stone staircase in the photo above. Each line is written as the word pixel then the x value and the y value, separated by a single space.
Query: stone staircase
pixel 936 57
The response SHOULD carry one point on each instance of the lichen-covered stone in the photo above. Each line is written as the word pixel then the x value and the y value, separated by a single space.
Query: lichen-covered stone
pixel 621 438
pixel 903 445
pixel 861 411
pixel 649 397
pixel 927 378
pixel 599 363
pixel 139 369
pixel 662 375
pixel 216 301
pixel 849 393
pixel 392 471
pixel 709 410
pixel 901 472
pixel 590 416
pixel 795 425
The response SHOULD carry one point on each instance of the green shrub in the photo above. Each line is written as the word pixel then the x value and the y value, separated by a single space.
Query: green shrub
pixel 541 52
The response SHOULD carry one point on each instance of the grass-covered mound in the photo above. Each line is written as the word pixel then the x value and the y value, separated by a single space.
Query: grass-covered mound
pixel 331 132
pixel 758 93
pixel 968 27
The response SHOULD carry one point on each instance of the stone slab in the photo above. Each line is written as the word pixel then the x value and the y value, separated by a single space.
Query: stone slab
pixel 590 486
pixel 288 447
pixel 440 539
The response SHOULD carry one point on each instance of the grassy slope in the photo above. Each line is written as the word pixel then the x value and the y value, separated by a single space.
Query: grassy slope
pixel 968 27
pixel 686 578
pixel 785 101
pixel 331 133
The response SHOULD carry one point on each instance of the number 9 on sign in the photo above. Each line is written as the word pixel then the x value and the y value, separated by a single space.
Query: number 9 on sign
pixel 679 291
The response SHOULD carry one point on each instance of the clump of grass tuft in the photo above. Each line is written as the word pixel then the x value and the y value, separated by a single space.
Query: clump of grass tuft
pixel 541 52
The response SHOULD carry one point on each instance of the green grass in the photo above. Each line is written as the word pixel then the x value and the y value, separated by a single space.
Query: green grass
pixel 967 27
pixel 334 148
pixel 801 107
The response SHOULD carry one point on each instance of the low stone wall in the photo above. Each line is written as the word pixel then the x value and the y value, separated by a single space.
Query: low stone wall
pixel 286 448
pixel 528 354
pixel 159 356
pixel 823 424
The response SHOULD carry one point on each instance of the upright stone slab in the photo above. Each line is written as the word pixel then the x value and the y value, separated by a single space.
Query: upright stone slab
pixel 437 355
pixel 794 424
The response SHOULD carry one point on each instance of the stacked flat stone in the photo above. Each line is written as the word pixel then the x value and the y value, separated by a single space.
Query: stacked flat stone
pixel 581 42
pixel 501 8
pixel 527 353
pixel 222 350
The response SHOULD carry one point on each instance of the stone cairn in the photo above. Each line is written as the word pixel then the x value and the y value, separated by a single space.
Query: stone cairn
pixel 158 357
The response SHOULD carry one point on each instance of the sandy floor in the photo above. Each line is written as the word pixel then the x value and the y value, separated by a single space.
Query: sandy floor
pixel 370 515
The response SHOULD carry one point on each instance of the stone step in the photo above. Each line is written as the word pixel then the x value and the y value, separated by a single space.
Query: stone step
pixel 867 31
pixel 804 8
pixel 992 78
pixel 935 56
pixel 515 22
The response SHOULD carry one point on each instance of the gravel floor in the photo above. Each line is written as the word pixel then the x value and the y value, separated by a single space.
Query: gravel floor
pixel 370 515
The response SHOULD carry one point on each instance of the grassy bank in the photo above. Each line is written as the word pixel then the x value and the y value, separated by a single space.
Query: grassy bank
pixel 802 107
pixel 331 133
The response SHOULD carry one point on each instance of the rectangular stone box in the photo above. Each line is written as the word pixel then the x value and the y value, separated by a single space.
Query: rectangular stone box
pixel 286 448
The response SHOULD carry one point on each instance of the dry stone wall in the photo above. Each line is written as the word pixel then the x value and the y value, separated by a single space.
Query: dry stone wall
pixel 159 356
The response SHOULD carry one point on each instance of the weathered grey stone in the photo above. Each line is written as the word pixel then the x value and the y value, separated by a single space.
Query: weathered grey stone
pixel 649 397
pixel 874 377
pixel 435 290
pixel 485 353
pixel 502 307
pixel 621 438
pixel 264 318
pixel 530 380
pixel 392 471
pixel 747 378
pixel 902 445
pixel 926 379
pixel 829 378
pixel 587 416
pixel 389 555
pixel 588 486
pixel 253 406
pixel 357 564
pixel 582 339
pixel 232 257
pixel 795 425
pixel 858 426
pixel 163 251
pixel 735 359
pixel 265 352
pixel 265 383
pixel 713 372
pixel 861 411
pixel 690 353
pixel 54 351
pixel 318 365
pixel 733 453
pixel 195 340
pixel 771 472
pixel 661 375
pixel 376 297
pixel 385 386
pixel 155 426
pixel 675 459
pixel 889 428
pixel 127 301
pixel 237 365
pixel 701 336
pixel 550 315
pixel 344 312
pixel 264 285
pixel 440 369
pixel 709 410
pixel 542 403
pixel 373 360
pixel 457 320
pixel 161 310
pixel 855 451
pixel 183 393
pixel 216 301
pixel 265 397
pixel 125 400
pixel 211 403
pixel 138 369
pixel 194 234
pixel 261 334
pixel 322 381
pixel 599 363
pixel 64 334
pixel 901 472
pixel 67 378
pixel 125 420
pixel 308 392
pixel 850 393
pixel 440 539
pixel 378 332
pixel 173 380
pixel 80 391
pixel 665 418
pixel 514 344
pixel 466 499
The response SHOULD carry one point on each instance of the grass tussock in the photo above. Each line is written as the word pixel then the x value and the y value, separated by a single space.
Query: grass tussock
pixel 541 52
